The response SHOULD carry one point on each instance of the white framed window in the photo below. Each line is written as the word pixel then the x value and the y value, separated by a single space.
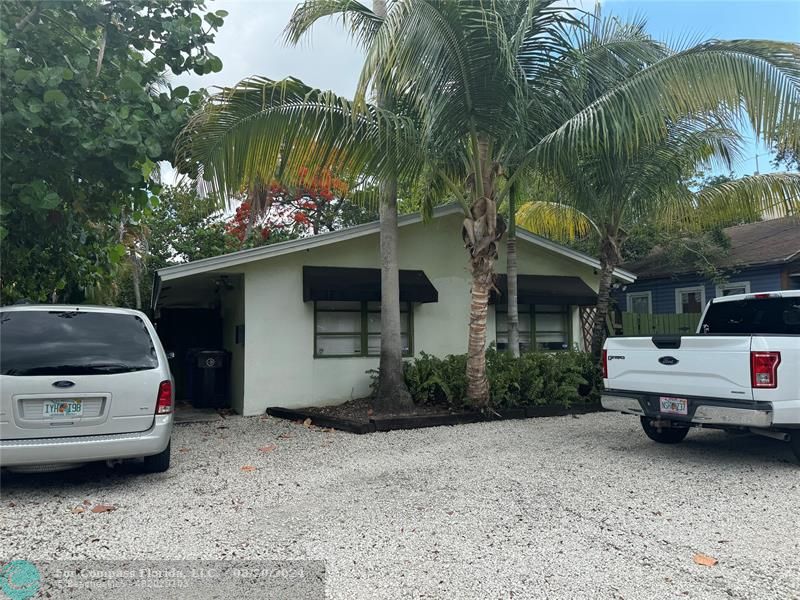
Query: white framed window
pixel 690 299
pixel 343 328
pixel 640 303
pixel 541 327
pixel 729 289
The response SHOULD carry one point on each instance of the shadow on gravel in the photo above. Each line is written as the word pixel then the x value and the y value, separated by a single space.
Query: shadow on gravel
pixel 708 447
pixel 91 474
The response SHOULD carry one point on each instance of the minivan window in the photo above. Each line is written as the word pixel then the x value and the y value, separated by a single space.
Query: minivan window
pixel 38 342
pixel 753 316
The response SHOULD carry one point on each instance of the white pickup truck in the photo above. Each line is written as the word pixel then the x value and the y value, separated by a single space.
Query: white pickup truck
pixel 740 371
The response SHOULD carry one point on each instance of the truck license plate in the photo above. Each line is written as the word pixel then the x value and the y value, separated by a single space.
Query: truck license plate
pixel 673 406
pixel 67 408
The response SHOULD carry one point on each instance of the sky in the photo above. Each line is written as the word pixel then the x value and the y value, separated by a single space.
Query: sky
pixel 251 41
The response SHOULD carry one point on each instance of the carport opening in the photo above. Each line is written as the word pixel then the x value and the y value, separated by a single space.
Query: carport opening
pixel 200 321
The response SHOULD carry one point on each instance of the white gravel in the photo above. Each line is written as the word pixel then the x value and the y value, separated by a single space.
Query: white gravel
pixel 559 508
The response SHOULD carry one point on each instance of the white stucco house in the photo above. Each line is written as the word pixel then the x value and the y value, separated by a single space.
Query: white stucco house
pixel 301 319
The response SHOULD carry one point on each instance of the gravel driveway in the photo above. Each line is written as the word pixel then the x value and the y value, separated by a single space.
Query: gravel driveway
pixel 560 508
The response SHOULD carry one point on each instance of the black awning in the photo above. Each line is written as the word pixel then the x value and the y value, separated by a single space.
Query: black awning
pixel 345 283
pixel 546 289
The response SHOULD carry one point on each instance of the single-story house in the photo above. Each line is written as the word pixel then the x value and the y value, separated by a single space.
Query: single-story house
pixel 763 256
pixel 301 319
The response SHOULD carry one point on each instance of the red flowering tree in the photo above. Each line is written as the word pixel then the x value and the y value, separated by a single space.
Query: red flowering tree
pixel 278 212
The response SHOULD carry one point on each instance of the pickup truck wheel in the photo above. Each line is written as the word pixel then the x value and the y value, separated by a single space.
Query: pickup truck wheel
pixel 158 463
pixel 671 435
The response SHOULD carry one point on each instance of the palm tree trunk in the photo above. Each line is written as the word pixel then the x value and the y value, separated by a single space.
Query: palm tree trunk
pixel 481 231
pixel 607 265
pixel 136 279
pixel 511 274
pixel 477 383
pixel 392 394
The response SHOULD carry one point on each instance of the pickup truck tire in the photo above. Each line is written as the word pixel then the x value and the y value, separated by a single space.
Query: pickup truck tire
pixel 158 463
pixel 664 435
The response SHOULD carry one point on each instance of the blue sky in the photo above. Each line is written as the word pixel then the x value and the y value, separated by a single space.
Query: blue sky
pixel 677 20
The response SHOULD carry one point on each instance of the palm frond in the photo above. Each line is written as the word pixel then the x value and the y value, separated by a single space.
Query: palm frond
pixel 768 195
pixel 554 220
pixel 359 20
pixel 262 130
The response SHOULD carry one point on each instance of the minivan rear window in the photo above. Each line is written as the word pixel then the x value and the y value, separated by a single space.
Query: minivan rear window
pixel 38 342
pixel 753 316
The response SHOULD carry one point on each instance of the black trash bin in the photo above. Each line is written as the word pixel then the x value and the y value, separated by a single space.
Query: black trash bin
pixel 208 378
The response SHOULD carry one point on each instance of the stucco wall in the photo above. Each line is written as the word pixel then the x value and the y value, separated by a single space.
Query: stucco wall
pixel 279 364
pixel 233 315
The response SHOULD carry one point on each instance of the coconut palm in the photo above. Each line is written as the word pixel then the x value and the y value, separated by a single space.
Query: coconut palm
pixel 468 69
pixel 465 69
pixel 610 190
pixel 363 24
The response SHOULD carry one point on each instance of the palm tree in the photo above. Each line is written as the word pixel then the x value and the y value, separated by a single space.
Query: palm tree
pixel 467 68
pixel 610 190
pixel 392 393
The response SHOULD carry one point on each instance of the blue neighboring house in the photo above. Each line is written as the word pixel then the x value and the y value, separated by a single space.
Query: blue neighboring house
pixel 763 257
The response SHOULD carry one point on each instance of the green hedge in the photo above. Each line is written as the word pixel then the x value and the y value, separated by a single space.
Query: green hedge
pixel 535 378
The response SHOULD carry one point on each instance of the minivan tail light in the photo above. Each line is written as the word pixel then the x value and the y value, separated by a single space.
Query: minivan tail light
pixel 164 402
pixel 605 364
pixel 764 369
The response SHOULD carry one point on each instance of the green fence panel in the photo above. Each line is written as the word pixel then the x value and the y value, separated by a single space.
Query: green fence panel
pixel 660 324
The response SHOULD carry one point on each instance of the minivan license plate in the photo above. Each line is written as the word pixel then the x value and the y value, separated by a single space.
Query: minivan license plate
pixel 674 406
pixel 67 408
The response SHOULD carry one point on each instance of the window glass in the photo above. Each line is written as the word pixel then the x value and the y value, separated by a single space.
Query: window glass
pixel 640 304
pixel 550 332
pixel 338 305
pixel 753 316
pixel 339 328
pixel 339 322
pixel 337 345
pixel 37 342
pixel 691 301
pixel 732 290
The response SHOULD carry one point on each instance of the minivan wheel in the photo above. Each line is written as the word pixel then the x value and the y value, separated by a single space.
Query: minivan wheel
pixel 794 442
pixel 158 463
pixel 663 435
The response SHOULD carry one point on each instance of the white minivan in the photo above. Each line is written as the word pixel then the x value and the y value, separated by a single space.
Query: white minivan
pixel 81 384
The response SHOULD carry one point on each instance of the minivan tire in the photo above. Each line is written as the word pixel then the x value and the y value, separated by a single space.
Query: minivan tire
pixel 158 463
pixel 670 435
pixel 794 443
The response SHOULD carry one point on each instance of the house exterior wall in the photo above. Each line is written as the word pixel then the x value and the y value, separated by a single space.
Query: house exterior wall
pixel 279 364
pixel 232 308
pixel 662 291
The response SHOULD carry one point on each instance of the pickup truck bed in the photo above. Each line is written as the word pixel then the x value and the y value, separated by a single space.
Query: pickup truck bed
pixel 740 371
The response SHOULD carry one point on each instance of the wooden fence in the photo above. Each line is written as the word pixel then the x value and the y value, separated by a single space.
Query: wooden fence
pixel 639 324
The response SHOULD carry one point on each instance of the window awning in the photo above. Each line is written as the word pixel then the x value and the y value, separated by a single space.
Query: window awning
pixel 546 289
pixel 346 283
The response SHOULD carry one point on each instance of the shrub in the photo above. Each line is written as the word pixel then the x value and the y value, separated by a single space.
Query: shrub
pixel 536 378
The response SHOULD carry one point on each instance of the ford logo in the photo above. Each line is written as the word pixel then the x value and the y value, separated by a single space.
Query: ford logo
pixel 668 360
pixel 63 384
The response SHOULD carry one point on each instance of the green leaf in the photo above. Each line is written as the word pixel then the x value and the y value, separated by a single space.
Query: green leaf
pixel 147 168
pixel 35 106
pixel 22 75
pixel 54 97
pixel 214 64
pixel 152 146
pixel 180 92
pixel 67 74
pixel 115 253
pixel 221 13
pixel 50 200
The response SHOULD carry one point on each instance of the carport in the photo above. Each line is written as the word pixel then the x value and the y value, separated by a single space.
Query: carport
pixel 203 313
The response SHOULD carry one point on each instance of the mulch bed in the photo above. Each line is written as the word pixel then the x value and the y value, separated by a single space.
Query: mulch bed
pixel 357 416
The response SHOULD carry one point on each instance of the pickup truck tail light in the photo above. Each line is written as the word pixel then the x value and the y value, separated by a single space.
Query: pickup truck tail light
pixel 764 369
pixel 164 402
pixel 605 364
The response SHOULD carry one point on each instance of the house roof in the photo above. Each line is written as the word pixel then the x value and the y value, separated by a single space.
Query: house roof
pixel 771 242
pixel 226 261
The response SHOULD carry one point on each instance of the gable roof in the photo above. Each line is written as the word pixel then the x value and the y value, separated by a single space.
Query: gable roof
pixel 241 257
pixel 771 242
